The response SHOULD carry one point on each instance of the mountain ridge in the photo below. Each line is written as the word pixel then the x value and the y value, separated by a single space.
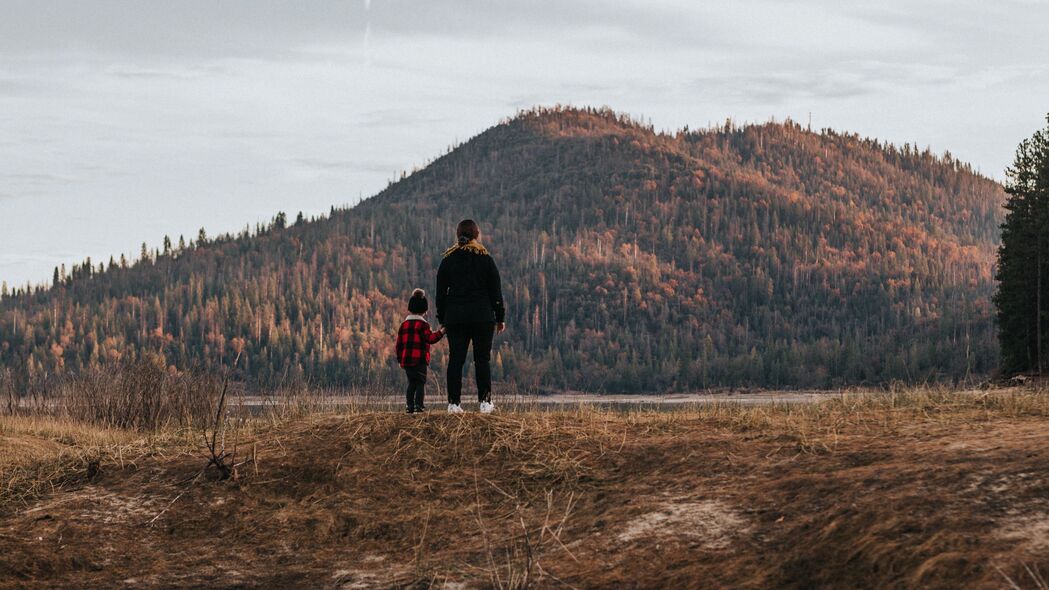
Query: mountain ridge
pixel 759 255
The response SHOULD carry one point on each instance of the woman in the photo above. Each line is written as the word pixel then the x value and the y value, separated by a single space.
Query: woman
pixel 470 309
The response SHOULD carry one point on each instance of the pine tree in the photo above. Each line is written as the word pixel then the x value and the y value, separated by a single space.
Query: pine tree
pixel 1021 301
pixel 280 221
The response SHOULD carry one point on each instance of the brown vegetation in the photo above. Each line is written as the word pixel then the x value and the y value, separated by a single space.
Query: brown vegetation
pixel 914 489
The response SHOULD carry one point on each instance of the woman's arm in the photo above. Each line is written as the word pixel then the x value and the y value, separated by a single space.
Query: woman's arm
pixel 495 293
pixel 441 297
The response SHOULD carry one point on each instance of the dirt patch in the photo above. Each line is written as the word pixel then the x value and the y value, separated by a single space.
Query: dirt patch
pixel 711 524
pixel 359 580
pixel 1029 532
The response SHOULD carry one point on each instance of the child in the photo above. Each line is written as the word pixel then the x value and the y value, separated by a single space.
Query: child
pixel 413 348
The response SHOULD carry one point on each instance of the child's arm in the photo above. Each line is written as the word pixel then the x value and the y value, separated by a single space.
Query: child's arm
pixel 399 349
pixel 430 336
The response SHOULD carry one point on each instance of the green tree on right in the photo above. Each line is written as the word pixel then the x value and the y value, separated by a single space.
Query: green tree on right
pixel 1021 301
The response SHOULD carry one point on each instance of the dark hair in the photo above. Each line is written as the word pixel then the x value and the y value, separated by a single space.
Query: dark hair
pixel 418 303
pixel 467 230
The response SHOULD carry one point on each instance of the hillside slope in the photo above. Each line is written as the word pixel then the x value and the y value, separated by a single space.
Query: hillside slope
pixel 633 261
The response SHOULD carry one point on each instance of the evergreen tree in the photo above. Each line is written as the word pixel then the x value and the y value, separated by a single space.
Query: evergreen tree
pixel 280 221
pixel 1023 258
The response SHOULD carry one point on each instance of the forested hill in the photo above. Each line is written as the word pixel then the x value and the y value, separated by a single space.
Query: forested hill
pixel 632 261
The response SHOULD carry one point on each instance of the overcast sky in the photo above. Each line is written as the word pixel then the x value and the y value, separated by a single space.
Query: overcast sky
pixel 121 122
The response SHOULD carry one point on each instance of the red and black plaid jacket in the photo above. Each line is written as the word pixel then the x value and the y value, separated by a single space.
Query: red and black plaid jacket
pixel 414 340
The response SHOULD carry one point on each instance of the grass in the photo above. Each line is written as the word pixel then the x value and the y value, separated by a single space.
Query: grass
pixel 913 488
pixel 43 454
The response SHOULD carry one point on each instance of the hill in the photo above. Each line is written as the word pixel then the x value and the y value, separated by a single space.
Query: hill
pixel 763 255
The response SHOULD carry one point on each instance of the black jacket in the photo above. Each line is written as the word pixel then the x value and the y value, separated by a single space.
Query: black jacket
pixel 468 289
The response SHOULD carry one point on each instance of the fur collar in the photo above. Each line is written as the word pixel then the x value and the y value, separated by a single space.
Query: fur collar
pixel 413 316
pixel 473 247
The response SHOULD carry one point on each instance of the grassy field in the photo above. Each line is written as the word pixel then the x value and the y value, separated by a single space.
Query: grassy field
pixel 910 489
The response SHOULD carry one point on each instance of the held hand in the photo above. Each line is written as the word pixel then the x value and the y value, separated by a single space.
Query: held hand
pixel 499 327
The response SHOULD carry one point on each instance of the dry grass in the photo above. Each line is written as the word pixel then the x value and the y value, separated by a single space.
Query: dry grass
pixel 140 396
pixel 916 488
pixel 42 454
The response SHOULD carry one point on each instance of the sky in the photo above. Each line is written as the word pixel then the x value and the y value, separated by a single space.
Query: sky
pixel 124 121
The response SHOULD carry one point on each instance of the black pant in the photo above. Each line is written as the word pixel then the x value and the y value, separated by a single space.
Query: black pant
pixel 416 385
pixel 459 338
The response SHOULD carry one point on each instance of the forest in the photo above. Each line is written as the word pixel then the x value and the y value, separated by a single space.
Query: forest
pixel 764 255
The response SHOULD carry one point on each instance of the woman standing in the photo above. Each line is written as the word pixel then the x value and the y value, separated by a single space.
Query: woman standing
pixel 470 308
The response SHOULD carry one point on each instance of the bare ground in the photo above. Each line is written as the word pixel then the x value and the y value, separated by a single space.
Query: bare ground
pixel 939 491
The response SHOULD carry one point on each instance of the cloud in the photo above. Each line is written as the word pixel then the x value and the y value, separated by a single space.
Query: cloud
pixel 131 71
pixel 10 88
pixel 230 28
pixel 323 165
pixel 964 31
pixel 273 29
pixel 399 117
pixel 776 88
pixel 844 81
pixel 36 179
pixel 486 18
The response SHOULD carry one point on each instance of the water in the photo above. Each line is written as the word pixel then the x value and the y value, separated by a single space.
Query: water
pixel 555 402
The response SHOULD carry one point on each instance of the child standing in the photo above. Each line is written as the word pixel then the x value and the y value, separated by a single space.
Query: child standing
pixel 413 348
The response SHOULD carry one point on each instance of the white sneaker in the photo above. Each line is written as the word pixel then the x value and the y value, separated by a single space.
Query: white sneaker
pixel 454 409
pixel 487 407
